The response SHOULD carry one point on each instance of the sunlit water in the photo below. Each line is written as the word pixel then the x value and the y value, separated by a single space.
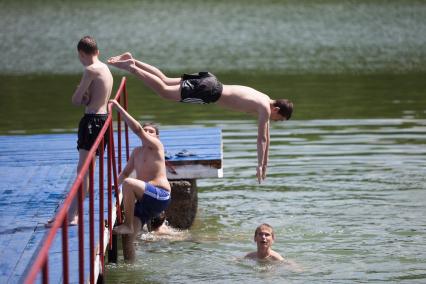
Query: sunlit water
pixel 346 197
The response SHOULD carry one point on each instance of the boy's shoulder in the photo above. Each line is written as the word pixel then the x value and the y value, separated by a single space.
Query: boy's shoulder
pixel 137 151
pixel 276 256
pixel 251 255
pixel 96 67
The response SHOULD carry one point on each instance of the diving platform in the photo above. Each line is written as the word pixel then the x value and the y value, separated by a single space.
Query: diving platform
pixel 36 172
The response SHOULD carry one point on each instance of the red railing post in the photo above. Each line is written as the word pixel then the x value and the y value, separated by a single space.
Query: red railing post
pixel 115 177
pixel 65 270
pixel 46 271
pixel 92 222
pixel 119 140
pixel 126 127
pixel 110 149
pixel 101 205
pixel 80 233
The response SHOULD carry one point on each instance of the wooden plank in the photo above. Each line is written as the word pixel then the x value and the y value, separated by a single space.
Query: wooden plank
pixel 204 146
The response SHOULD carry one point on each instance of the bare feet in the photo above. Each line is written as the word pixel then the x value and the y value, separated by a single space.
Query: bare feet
pixel 71 222
pixel 124 56
pixel 123 230
pixel 126 64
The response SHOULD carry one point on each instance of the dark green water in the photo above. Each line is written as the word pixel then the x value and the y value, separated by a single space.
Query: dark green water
pixel 346 182
pixel 42 103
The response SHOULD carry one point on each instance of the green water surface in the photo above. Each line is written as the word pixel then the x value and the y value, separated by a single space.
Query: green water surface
pixel 42 103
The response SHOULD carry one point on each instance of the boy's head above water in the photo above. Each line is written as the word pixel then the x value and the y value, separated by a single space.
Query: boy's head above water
pixel 264 235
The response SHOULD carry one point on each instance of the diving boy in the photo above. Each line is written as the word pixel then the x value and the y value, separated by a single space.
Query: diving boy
pixel 204 88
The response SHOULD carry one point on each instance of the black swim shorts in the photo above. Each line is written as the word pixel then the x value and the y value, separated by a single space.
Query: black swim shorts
pixel 200 88
pixel 88 130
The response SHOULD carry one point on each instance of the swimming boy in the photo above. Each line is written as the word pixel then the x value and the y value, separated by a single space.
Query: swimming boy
pixel 93 92
pixel 264 237
pixel 204 88
pixel 150 189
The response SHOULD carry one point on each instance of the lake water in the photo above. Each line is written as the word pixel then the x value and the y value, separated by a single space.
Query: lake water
pixel 346 186
pixel 346 197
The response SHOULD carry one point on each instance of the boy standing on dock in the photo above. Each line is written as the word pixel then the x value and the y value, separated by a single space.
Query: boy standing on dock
pixel 204 88
pixel 147 195
pixel 93 92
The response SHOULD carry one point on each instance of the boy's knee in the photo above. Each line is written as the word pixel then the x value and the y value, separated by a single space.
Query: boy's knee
pixel 127 183
pixel 130 184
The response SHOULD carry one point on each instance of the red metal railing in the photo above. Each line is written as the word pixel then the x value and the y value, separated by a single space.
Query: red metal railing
pixel 41 263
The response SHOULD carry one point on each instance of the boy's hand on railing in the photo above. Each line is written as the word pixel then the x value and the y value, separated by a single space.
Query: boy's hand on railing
pixel 113 102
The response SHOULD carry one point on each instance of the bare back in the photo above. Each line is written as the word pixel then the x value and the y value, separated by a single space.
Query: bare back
pixel 100 88
pixel 244 99
pixel 150 166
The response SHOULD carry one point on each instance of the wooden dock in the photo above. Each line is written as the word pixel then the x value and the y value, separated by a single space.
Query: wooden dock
pixel 36 172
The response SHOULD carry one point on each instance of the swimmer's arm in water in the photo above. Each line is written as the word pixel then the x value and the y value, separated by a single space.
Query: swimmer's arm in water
pixel 82 90
pixel 251 255
pixel 293 266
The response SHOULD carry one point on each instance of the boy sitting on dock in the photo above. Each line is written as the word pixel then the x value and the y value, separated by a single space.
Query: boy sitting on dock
pixel 93 92
pixel 204 88
pixel 150 190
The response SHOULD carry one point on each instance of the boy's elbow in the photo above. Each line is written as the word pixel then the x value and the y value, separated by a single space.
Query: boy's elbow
pixel 75 102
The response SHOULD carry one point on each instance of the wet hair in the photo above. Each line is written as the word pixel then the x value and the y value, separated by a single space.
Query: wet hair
pixel 87 45
pixel 153 125
pixel 156 222
pixel 286 107
pixel 264 225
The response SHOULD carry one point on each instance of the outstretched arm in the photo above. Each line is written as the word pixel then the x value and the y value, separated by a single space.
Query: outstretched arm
pixel 262 146
pixel 131 122
pixel 134 125
pixel 265 162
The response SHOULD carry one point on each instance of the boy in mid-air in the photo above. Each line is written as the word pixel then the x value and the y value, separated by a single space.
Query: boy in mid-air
pixel 204 88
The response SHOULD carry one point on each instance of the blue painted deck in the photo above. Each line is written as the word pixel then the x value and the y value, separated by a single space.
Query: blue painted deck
pixel 36 172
